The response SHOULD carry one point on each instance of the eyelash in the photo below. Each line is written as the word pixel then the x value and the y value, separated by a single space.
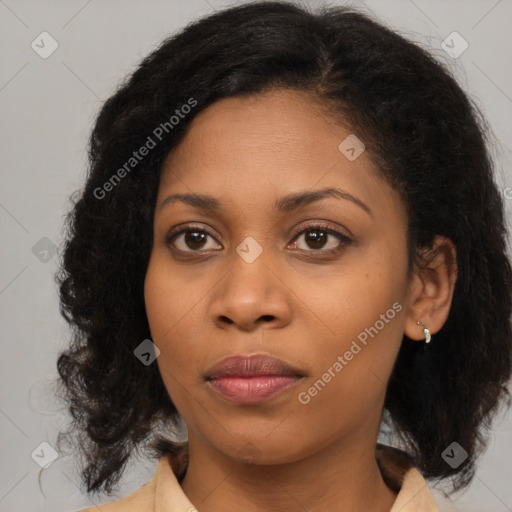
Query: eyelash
pixel 344 240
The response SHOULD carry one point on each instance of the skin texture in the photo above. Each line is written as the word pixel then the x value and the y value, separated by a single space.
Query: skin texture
pixel 291 303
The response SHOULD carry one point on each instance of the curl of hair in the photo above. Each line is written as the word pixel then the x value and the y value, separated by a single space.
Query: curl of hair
pixel 427 139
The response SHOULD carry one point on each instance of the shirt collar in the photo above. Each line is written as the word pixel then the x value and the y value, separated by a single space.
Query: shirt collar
pixel 399 473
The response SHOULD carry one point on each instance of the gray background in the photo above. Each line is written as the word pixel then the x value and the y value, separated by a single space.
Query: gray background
pixel 47 110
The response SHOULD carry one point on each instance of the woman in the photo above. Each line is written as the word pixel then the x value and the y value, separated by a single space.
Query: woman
pixel 290 237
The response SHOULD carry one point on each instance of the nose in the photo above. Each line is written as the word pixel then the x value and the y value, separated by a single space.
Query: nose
pixel 251 296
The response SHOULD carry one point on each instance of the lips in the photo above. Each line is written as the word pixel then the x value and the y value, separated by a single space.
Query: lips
pixel 254 378
pixel 251 366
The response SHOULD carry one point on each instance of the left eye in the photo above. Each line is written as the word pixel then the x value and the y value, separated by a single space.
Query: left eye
pixel 320 238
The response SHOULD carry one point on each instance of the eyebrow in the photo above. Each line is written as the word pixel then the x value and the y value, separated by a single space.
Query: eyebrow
pixel 285 204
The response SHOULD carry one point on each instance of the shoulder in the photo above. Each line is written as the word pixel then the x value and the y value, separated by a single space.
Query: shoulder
pixel 141 500
pixel 398 471
pixel 145 499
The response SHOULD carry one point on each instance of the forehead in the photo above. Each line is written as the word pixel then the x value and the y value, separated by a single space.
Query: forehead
pixel 285 123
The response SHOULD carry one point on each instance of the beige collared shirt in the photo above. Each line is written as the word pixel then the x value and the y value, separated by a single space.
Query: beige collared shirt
pixel 164 494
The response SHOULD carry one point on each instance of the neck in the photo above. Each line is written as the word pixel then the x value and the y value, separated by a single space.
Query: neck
pixel 336 478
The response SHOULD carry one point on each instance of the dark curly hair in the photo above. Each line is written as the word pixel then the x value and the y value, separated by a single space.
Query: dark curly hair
pixel 426 136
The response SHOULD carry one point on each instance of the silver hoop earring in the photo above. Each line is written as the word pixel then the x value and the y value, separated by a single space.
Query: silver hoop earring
pixel 426 332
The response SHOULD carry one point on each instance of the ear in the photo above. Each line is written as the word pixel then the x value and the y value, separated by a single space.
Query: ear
pixel 431 289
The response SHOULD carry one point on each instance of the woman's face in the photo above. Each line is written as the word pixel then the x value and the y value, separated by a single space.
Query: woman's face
pixel 255 275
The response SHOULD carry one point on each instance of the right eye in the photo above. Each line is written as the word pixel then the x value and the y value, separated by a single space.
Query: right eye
pixel 191 239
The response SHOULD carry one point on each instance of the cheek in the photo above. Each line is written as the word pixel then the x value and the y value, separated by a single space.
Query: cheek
pixel 173 308
pixel 351 299
pixel 347 391
pixel 361 329
pixel 172 302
